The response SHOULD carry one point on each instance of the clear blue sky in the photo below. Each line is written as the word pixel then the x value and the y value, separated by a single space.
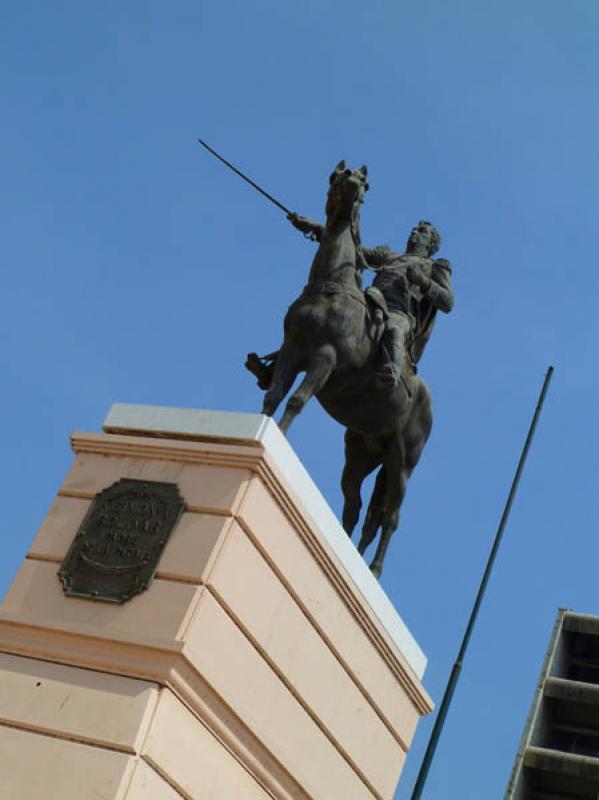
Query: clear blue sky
pixel 137 269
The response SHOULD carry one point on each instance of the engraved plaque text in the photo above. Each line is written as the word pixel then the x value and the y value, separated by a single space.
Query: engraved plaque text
pixel 117 548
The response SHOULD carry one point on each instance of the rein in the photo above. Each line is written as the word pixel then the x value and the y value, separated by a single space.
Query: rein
pixel 355 234
pixel 328 287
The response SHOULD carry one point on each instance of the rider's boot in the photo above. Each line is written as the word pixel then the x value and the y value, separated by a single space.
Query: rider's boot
pixel 389 370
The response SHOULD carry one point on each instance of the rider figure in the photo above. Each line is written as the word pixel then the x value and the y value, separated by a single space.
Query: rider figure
pixel 414 287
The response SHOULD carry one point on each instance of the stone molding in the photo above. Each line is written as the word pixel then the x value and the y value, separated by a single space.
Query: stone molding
pixel 264 628
pixel 255 458
pixel 160 662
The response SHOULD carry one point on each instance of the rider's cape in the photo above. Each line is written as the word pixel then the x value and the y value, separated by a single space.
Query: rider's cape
pixel 439 296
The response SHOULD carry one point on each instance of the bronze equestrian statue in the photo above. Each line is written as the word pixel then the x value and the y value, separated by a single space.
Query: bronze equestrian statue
pixel 359 351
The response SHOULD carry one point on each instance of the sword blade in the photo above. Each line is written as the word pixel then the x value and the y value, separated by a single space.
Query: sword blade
pixel 245 177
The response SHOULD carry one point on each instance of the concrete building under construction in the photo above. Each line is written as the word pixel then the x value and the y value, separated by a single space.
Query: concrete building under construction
pixel 558 757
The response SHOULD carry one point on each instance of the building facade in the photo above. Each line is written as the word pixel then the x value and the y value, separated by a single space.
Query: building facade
pixel 558 758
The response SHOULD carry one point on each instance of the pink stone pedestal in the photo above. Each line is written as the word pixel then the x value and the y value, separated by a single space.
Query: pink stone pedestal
pixel 264 661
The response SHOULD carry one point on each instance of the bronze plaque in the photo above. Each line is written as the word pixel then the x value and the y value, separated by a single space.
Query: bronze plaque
pixel 119 543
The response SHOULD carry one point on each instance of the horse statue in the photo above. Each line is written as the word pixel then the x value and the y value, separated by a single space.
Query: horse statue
pixel 332 334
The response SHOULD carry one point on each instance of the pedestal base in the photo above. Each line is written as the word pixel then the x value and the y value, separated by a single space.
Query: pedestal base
pixel 263 661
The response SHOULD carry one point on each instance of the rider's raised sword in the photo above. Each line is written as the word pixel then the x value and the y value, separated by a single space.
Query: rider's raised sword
pixel 245 178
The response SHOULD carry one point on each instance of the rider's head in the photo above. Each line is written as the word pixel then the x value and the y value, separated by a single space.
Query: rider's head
pixel 424 239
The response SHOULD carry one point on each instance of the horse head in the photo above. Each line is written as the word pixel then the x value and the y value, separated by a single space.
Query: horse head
pixel 346 192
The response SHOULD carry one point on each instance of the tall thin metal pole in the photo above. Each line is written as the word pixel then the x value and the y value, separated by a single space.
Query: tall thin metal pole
pixel 457 667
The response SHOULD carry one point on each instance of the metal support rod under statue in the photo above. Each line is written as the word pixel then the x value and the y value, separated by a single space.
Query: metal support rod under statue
pixel 457 667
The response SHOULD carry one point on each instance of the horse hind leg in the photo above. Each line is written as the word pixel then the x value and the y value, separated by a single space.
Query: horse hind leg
pixel 318 372
pixel 359 462
pixel 375 511
pixel 389 521
pixel 282 381
pixel 402 459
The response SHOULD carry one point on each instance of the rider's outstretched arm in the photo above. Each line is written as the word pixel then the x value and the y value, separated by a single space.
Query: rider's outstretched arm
pixel 306 225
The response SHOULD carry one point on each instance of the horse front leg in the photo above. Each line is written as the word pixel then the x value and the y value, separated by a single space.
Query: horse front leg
pixel 318 372
pixel 282 381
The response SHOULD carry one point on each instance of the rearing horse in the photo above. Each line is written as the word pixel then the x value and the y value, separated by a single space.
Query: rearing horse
pixel 330 336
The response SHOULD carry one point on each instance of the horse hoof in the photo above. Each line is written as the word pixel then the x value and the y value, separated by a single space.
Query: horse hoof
pixel 376 570
pixel 262 371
